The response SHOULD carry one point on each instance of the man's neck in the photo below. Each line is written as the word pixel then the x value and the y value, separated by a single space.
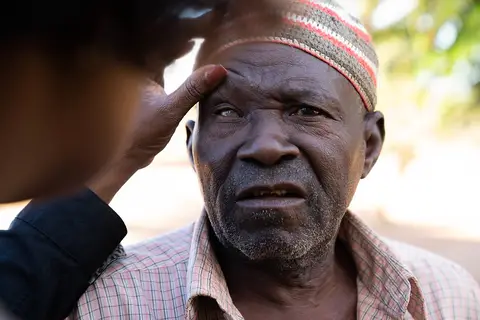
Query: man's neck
pixel 308 282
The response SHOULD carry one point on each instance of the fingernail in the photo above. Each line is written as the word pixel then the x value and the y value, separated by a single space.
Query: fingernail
pixel 215 75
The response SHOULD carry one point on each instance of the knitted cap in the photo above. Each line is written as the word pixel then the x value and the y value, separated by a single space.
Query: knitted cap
pixel 321 28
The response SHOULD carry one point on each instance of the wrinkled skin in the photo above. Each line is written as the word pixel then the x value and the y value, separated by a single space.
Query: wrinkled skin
pixel 282 116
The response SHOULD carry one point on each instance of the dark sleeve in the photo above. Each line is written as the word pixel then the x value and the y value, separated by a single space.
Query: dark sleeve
pixel 52 250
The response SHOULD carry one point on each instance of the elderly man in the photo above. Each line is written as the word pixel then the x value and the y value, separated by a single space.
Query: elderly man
pixel 279 149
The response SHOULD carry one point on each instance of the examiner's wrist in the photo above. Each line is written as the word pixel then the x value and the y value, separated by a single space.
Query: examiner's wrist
pixel 110 180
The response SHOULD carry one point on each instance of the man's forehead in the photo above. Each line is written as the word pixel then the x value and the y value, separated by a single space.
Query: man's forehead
pixel 261 54
pixel 283 69
pixel 270 59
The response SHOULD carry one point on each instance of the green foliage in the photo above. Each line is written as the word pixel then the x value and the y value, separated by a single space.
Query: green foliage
pixel 439 38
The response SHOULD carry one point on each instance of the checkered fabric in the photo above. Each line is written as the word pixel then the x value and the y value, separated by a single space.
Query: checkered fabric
pixel 321 28
pixel 177 276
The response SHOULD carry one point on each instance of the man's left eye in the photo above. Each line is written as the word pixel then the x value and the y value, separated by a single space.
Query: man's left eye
pixel 227 113
pixel 307 111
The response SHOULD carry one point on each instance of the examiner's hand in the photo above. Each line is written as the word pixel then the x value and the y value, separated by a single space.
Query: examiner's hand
pixel 158 117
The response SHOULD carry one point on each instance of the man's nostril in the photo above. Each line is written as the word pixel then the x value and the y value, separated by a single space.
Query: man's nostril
pixel 288 157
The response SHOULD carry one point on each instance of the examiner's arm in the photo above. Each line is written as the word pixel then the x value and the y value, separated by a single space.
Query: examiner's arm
pixel 51 252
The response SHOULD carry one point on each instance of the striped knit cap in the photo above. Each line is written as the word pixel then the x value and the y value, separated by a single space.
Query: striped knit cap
pixel 321 28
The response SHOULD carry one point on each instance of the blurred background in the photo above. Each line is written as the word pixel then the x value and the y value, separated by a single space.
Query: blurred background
pixel 425 188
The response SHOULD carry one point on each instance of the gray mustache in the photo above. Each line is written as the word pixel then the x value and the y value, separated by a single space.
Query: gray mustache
pixel 247 174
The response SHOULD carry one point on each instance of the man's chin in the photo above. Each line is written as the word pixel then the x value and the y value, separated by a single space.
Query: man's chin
pixel 269 220
pixel 272 244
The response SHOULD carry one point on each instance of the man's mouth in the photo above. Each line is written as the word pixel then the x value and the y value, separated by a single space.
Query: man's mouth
pixel 272 193
pixel 276 194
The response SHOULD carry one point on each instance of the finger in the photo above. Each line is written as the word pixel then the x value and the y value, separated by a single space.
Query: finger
pixel 200 83
pixel 152 92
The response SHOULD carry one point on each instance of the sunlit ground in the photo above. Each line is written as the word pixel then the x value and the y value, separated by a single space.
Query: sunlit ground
pixel 433 202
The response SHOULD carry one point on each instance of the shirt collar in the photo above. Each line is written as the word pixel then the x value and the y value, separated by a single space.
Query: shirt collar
pixel 379 270
pixel 204 275
pixel 389 283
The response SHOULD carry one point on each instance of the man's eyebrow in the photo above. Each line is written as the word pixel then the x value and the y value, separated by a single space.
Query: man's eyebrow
pixel 234 71
pixel 304 93
pixel 319 98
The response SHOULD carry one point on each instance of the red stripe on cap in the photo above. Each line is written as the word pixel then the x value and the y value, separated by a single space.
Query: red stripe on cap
pixel 358 31
pixel 337 43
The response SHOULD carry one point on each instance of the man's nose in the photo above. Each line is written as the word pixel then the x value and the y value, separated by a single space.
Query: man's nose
pixel 268 145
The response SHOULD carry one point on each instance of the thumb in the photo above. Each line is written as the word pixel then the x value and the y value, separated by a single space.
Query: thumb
pixel 200 83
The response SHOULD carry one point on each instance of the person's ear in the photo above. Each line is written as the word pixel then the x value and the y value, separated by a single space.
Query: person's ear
pixel 190 127
pixel 374 133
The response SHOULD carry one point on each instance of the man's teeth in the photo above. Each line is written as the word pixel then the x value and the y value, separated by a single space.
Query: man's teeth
pixel 274 193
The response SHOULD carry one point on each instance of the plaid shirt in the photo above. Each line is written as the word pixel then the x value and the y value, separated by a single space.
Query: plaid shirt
pixel 176 276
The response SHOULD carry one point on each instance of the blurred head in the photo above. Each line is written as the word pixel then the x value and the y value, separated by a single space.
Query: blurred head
pixel 58 127
pixel 70 76
pixel 281 146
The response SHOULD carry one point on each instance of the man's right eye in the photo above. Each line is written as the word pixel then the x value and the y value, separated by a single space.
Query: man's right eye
pixel 227 113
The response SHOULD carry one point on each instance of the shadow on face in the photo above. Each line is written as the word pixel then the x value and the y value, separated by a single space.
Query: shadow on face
pixel 279 150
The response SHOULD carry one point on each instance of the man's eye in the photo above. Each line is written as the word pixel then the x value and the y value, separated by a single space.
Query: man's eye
pixel 228 113
pixel 307 111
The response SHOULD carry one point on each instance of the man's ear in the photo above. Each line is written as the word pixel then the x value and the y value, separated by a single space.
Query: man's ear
pixel 374 133
pixel 190 126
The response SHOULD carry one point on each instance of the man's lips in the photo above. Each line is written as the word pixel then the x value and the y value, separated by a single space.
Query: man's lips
pixel 274 192
pixel 286 199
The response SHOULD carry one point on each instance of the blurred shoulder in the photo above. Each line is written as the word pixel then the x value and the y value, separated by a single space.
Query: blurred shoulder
pixel 164 251
pixel 446 286
pixel 148 278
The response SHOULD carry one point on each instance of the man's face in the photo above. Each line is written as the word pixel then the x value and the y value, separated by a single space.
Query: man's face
pixel 279 150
